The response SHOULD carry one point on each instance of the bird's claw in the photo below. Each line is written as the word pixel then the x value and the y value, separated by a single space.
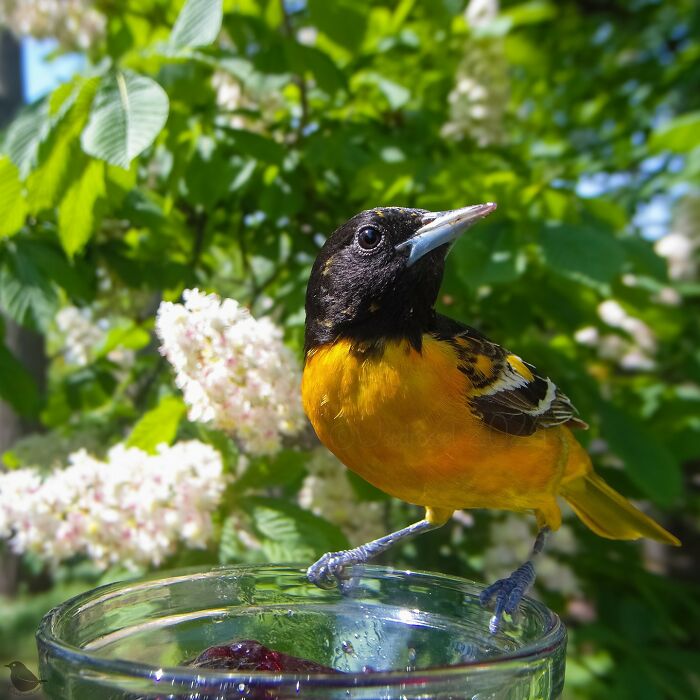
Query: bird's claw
pixel 329 570
pixel 508 592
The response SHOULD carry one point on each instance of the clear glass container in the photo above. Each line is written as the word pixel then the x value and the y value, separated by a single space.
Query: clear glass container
pixel 423 635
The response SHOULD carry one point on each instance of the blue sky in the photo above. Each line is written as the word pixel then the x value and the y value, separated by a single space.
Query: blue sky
pixel 41 76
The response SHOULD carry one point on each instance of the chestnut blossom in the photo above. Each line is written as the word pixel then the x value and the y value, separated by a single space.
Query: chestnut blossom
pixel 80 336
pixel 234 370
pixel 681 245
pixel 479 97
pixel 76 24
pixel 133 508
pixel 634 352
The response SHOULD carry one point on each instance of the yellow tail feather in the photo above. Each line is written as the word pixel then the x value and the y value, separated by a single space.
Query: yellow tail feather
pixel 609 514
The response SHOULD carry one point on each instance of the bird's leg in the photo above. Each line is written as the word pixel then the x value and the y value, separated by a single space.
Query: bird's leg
pixel 508 592
pixel 330 567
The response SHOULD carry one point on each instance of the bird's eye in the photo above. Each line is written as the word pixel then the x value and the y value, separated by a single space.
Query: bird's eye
pixel 369 237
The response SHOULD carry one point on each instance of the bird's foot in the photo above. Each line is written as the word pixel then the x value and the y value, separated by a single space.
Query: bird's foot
pixel 331 568
pixel 508 593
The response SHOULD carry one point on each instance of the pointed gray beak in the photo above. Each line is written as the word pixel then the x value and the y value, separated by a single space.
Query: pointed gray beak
pixel 442 227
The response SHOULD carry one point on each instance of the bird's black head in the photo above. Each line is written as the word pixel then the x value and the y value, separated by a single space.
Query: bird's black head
pixel 378 276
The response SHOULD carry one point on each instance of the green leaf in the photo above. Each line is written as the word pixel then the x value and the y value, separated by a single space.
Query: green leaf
pixel 159 425
pixel 530 13
pixel 24 135
pixel 308 58
pixel 396 95
pixel 47 183
pixel 198 23
pixel 231 549
pixel 679 134
pixel 126 334
pixel 78 214
pixel 648 463
pixel 290 533
pixel 26 294
pixel 12 203
pixel 286 467
pixel 342 21
pixel 127 115
pixel 78 279
pixel 257 146
pixel 584 254
pixel 488 255
pixel 17 386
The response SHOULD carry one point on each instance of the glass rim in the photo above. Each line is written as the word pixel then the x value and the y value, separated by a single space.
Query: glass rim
pixel 552 637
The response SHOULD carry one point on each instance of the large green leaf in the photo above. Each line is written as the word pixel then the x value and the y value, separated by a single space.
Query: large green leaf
pixel 289 533
pixel 198 23
pixel 585 254
pixel 78 214
pixel 648 463
pixel 13 206
pixel 127 115
pixel 17 386
pixel 159 425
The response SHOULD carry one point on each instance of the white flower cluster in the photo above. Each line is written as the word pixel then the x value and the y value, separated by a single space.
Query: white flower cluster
pixel 512 542
pixel 479 97
pixel 234 370
pixel 76 24
pixel 681 245
pixel 633 353
pixel 327 492
pixel 229 97
pixel 81 336
pixel 133 508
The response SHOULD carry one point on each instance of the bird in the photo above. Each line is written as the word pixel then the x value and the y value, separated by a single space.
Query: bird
pixel 21 678
pixel 428 409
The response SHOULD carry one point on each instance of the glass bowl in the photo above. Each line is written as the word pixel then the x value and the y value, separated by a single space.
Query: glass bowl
pixel 422 635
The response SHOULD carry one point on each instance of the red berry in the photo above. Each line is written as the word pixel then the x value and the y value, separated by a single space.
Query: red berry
pixel 249 655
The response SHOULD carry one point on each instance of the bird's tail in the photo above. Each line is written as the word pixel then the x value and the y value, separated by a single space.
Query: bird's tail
pixel 608 513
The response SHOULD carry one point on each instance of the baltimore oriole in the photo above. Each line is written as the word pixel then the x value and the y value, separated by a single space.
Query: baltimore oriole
pixel 429 410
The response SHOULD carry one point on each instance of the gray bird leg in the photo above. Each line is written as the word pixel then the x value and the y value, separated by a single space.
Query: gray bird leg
pixel 508 592
pixel 329 569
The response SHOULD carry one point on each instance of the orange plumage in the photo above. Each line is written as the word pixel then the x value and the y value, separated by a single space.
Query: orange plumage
pixel 400 419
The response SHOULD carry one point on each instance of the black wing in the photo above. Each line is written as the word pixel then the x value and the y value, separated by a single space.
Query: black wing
pixel 507 393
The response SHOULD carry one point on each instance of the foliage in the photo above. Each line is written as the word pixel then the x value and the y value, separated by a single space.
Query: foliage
pixel 214 145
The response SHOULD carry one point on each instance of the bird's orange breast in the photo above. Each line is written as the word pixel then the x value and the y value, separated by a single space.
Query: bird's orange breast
pixel 401 420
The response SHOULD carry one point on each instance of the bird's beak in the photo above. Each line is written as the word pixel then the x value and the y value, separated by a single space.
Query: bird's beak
pixel 440 227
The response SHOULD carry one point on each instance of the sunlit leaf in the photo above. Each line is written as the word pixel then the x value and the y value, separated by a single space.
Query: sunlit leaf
pixel 77 214
pixel 158 426
pixel 198 23
pixel 12 203
pixel 680 134
pixel 127 115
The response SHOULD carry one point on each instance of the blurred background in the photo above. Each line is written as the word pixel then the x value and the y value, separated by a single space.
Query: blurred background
pixel 155 146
